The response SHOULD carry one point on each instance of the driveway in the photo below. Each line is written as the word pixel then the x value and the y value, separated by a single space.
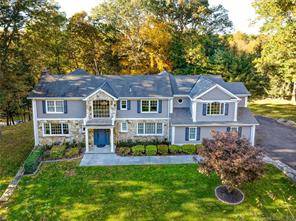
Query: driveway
pixel 277 140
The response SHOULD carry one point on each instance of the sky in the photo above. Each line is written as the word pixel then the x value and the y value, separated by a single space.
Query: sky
pixel 240 12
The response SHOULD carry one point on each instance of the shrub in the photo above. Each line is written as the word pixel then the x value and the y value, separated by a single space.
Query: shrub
pixel 138 150
pixel 163 149
pixel 131 143
pixel 123 151
pixel 72 152
pixel 151 150
pixel 198 146
pixel 174 149
pixel 32 162
pixel 57 151
pixel 234 160
pixel 189 149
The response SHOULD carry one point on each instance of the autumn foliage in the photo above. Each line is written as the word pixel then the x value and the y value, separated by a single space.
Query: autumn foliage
pixel 234 160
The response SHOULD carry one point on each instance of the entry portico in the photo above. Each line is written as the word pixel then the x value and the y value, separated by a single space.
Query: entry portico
pixel 98 137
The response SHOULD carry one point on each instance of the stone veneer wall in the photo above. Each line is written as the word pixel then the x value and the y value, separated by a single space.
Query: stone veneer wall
pixel 75 132
pixel 132 131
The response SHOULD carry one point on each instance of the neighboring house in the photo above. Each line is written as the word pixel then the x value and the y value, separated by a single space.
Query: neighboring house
pixel 103 110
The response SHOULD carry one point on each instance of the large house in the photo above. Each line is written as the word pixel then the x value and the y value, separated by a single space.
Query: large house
pixel 103 110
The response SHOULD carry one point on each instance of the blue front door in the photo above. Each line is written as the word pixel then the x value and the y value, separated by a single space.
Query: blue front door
pixel 101 137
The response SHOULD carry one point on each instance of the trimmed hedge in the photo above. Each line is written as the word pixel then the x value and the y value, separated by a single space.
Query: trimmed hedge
pixel 163 149
pixel 32 162
pixel 123 151
pixel 151 150
pixel 57 152
pixel 175 149
pixel 189 149
pixel 138 150
pixel 72 152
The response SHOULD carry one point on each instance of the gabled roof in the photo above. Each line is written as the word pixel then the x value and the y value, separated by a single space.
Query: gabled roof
pixel 80 84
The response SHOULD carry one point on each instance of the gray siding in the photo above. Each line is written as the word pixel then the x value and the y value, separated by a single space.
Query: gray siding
pixel 76 109
pixel 205 132
pixel 241 103
pixel 216 94
pixel 229 117
pixel 186 102
pixel 133 113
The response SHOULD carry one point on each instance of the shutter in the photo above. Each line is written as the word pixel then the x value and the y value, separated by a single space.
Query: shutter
pixel 187 133
pixel 65 107
pixel 204 109
pixel 118 105
pixel 44 107
pixel 128 104
pixel 159 106
pixel 226 108
pixel 239 132
pixel 138 106
pixel 228 129
pixel 198 133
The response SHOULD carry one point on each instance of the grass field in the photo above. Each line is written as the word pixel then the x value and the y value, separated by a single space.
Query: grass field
pixel 275 108
pixel 15 145
pixel 65 191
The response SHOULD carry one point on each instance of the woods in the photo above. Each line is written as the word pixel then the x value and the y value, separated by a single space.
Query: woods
pixel 141 37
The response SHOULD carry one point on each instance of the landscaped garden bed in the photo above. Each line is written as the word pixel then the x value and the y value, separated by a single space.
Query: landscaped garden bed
pixel 159 149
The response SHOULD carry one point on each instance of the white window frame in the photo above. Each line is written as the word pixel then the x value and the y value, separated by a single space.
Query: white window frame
pixel 210 103
pixel 144 129
pixel 92 110
pixel 190 128
pixel 121 127
pixel 149 106
pixel 55 135
pixel 55 107
pixel 121 108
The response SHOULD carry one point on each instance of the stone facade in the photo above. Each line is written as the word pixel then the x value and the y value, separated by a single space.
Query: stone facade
pixel 75 132
pixel 132 131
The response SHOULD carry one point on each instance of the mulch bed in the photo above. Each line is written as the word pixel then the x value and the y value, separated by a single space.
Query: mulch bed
pixel 234 198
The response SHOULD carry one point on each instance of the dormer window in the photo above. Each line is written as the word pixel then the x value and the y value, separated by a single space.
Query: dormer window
pixel 215 108
pixel 149 106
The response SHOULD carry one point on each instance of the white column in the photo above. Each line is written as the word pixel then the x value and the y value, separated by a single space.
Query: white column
pixel 193 110
pixel 112 140
pixel 235 111
pixel 171 105
pixel 173 135
pixel 246 101
pixel 86 140
pixel 253 129
pixel 35 123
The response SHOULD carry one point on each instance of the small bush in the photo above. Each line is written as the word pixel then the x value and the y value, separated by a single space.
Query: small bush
pixel 123 151
pixel 163 149
pixel 72 152
pixel 151 150
pixel 138 150
pixel 32 162
pixel 198 146
pixel 57 152
pixel 175 149
pixel 189 149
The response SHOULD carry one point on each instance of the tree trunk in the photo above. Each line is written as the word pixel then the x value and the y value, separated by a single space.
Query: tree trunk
pixel 7 120
pixel 293 99
pixel 12 120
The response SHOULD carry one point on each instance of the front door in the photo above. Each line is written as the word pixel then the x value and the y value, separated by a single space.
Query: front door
pixel 101 137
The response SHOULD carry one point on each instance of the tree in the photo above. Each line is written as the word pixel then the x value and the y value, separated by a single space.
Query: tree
pixel 278 54
pixel 234 160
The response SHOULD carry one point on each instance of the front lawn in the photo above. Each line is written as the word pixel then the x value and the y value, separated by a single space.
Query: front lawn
pixel 15 145
pixel 65 191
pixel 275 108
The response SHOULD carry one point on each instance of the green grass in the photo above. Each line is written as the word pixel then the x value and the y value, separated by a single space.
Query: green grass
pixel 65 191
pixel 15 145
pixel 275 108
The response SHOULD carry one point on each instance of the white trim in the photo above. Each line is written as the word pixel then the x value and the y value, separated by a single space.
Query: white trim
pixel 194 139
pixel 181 101
pixel 213 125
pixel 138 98
pixel 97 91
pixel 97 127
pixel 39 119
pixel 141 118
pixel 171 105
pixel 112 140
pixel 173 136
pixel 121 130
pixel 55 107
pixel 55 98
pixel 194 110
pixel 220 87
pixel 35 123
pixel 221 101
pixel 246 102
pixel 86 140
pixel 149 107
pixel 235 110
pixel 121 108
pixel 253 130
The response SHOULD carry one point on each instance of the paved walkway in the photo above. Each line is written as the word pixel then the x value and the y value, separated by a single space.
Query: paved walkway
pixel 91 159
pixel 277 140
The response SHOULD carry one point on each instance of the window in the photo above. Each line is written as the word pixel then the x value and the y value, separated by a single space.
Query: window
pixel 150 128
pixel 192 133
pixel 180 101
pixel 215 108
pixel 149 106
pixel 123 104
pixel 55 129
pixel 55 106
pixel 101 108
pixel 124 127
pixel 234 129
